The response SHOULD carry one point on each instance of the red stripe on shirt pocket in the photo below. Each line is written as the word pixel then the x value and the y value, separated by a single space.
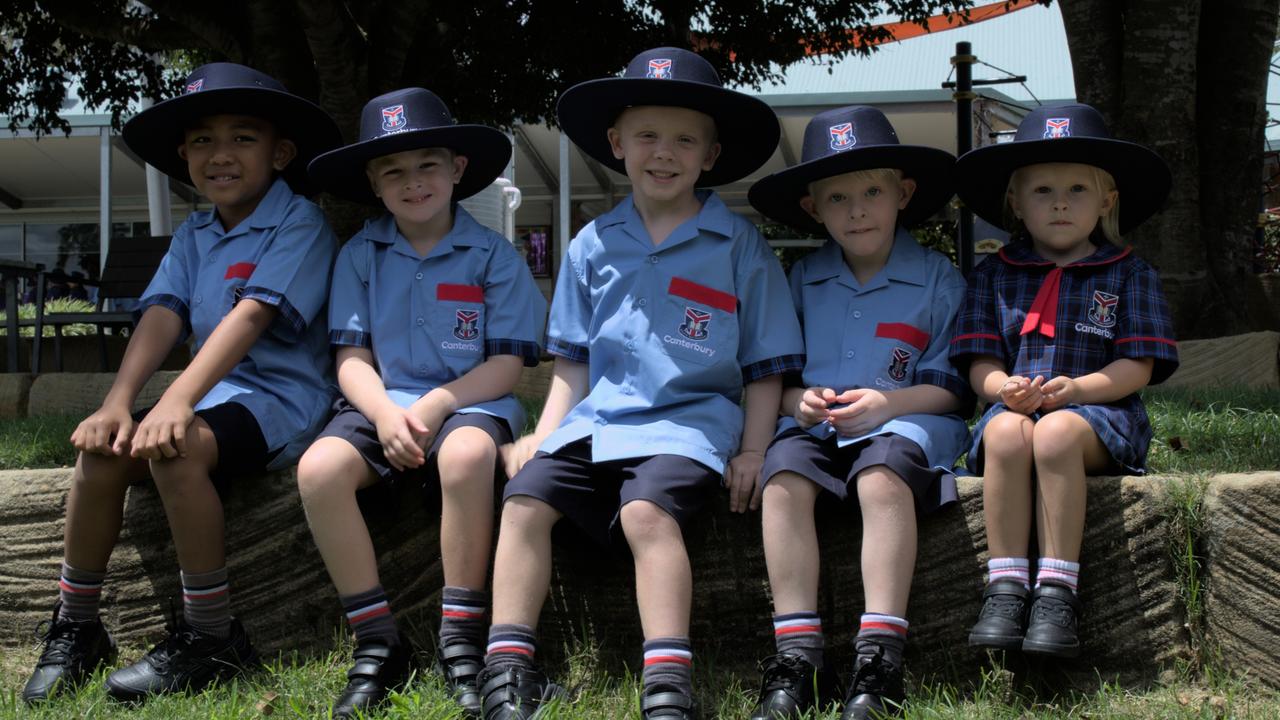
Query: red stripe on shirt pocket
pixel 703 295
pixel 461 293
pixel 239 270
pixel 908 334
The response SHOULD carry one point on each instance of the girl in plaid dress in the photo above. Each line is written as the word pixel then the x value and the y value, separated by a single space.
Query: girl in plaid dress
pixel 1058 333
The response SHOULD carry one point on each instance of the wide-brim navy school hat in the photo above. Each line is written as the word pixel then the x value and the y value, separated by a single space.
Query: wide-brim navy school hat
pixel 846 140
pixel 746 127
pixel 1065 134
pixel 230 89
pixel 411 119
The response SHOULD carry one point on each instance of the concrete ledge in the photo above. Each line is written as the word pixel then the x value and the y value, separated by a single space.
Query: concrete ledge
pixel 80 394
pixel 1133 624
pixel 1252 360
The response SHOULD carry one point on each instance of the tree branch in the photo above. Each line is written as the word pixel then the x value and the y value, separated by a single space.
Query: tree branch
pixel 149 34
pixel 219 34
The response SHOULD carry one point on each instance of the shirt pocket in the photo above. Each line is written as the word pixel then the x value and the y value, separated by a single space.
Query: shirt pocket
pixel 457 325
pixel 697 323
pixel 899 346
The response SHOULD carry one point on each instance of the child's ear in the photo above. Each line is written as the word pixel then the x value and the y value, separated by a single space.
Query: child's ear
pixel 908 187
pixel 459 167
pixel 615 143
pixel 1108 202
pixel 284 154
pixel 713 153
pixel 182 151
pixel 806 202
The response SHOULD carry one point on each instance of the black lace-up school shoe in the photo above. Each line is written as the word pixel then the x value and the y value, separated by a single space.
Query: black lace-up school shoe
pixel 188 660
pixel 460 663
pixel 379 668
pixel 791 686
pixel 1003 618
pixel 517 693
pixel 667 702
pixel 1055 613
pixel 73 649
pixel 876 690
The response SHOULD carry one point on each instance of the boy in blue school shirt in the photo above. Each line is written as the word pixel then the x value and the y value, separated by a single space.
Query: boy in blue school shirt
pixel 433 317
pixel 666 307
pixel 872 419
pixel 249 280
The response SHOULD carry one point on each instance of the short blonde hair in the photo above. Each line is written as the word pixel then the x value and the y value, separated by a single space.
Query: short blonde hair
pixel 1109 224
pixel 881 175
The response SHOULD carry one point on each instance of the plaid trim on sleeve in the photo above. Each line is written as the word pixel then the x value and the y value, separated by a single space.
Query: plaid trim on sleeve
pixel 977 329
pixel 780 365
pixel 280 303
pixel 946 381
pixel 172 302
pixel 525 350
pixel 568 351
pixel 1147 329
pixel 353 338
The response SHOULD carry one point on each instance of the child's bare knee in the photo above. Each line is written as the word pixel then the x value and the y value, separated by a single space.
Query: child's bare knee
pixel 1008 435
pixel 325 469
pixel 1060 435
pixel 881 488
pixel 465 454
pixel 645 521
pixel 523 513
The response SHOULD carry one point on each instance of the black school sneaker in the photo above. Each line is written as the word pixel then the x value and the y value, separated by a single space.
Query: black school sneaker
pixel 667 702
pixel 1003 618
pixel 1055 615
pixel 791 686
pixel 460 663
pixel 73 649
pixel 516 693
pixel 186 661
pixel 876 691
pixel 378 668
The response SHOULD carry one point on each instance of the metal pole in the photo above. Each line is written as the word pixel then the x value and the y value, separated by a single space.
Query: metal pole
pixel 963 96
pixel 104 196
pixel 564 198
pixel 158 210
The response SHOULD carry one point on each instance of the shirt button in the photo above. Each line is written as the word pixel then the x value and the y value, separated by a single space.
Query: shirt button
pixel 213 256
pixel 418 276
pixel 849 354
pixel 857 313
pixel 642 302
pixel 653 259
pixel 422 369
pixel 420 321
pixel 199 299
pixel 630 346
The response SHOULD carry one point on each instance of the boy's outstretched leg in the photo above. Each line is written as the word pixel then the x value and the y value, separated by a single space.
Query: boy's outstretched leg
pixel 1007 443
pixel 664 593
pixel 207 644
pixel 76 642
pixel 511 685
pixel 795 679
pixel 329 474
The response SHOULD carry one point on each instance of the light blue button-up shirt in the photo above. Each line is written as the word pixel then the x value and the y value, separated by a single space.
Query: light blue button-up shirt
pixel 892 333
pixel 670 332
pixel 280 255
pixel 429 320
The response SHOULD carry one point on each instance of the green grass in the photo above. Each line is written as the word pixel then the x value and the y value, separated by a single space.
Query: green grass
pixel 37 442
pixel 303 688
pixel 1214 431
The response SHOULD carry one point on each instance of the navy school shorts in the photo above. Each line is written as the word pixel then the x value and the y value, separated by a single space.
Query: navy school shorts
pixel 351 425
pixel 242 448
pixel 835 468
pixel 591 494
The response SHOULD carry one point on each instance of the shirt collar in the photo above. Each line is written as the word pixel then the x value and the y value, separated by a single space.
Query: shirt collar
pixel 268 214
pixel 713 217
pixel 906 264
pixel 1020 252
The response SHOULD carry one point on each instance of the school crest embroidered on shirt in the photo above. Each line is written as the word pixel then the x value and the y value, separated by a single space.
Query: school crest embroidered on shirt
pixel 393 118
pixel 1057 128
pixel 842 136
pixel 1103 310
pixel 659 69
pixel 695 324
pixel 898 364
pixel 196 86
pixel 466 328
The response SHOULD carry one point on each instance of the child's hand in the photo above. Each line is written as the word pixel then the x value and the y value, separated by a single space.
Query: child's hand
pixel 403 436
pixel 742 477
pixel 1058 392
pixel 812 408
pixel 1022 395
pixel 516 454
pixel 867 409
pixel 162 433
pixel 106 432
pixel 432 412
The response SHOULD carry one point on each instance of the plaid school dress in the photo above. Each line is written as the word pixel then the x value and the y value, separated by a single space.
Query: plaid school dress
pixel 1039 319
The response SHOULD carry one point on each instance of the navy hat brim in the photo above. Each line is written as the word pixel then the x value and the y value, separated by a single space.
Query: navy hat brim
pixel 1141 176
pixel 155 133
pixel 342 171
pixel 746 127
pixel 778 195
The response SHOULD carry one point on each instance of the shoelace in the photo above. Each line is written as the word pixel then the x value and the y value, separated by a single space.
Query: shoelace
pixel 1009 606
pixel 1053 611
pixel 873 677
pixel 58 639
pixel 781 672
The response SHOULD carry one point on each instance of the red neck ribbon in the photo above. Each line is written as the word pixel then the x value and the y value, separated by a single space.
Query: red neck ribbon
pixel 1043 314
